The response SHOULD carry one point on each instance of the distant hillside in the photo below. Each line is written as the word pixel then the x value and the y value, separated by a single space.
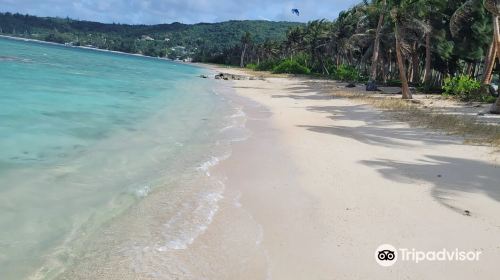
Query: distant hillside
pixel 175 40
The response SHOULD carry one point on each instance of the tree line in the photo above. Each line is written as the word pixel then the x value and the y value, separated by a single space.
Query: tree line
pixel 175 40
pixel 435 45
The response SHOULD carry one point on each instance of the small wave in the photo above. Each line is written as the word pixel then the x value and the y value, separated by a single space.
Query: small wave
pixel 194 217
pixel 236 131
pixel 213 161
pixel 192 220
pixel 207 164
pixel 239 113
pixel 226 128
pixel 143 191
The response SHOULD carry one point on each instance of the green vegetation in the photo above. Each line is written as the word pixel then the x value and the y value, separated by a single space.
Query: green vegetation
pixel 290 67
pixel 202 42
pixel 267 65
pixel 462 86
pixel 346 73
pixel 251 66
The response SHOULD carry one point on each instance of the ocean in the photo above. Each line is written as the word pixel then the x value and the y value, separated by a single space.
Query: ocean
pixel 85 136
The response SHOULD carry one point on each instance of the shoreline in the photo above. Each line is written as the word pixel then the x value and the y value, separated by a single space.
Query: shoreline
pixel 90 48
pixel 328 180
pixel 318 185
pixel 161 234
pixel 150 141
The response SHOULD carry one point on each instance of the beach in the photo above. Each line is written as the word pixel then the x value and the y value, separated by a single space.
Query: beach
pixel 148 169
pixel 180 140
pixel 327 180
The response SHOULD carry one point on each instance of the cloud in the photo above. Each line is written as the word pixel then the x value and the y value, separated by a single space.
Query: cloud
pixel 186 11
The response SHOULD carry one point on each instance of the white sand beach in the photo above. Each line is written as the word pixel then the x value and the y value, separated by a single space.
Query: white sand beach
pixel 247 140
pixel 329 180
pixel 320 183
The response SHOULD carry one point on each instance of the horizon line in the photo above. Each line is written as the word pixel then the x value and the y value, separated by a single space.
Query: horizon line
pixel 145 24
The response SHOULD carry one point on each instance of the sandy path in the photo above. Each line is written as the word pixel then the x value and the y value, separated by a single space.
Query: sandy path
pixel 329 180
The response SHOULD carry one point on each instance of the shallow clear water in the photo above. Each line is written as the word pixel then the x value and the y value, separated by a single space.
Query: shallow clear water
pixel 86 134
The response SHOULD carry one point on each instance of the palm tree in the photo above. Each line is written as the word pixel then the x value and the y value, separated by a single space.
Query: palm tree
pixel 430 9
pixel 399 14
pixel 343 34
pixel 294 39
pixel 493 6
pixel 405 88
pixel 489 62
pixel 409 29
pixel 317 37
pixel 246 40
pixel 492 53
pixel 372 86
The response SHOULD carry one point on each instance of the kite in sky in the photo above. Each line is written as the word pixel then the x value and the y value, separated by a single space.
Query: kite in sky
pixel 296 12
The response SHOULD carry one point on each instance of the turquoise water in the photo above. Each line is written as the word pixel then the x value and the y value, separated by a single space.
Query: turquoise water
pixel 83 136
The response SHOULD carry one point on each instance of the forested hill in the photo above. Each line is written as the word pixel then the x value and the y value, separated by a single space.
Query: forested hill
pixel 175 40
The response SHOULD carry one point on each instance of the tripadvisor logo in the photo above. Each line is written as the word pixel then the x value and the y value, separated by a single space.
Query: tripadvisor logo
pixel 388 255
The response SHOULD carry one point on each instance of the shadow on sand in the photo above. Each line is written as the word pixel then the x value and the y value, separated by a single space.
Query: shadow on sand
pixel 449 175
pixel 374 128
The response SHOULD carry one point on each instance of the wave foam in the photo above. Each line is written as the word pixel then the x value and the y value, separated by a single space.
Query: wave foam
pixel 143 191
pixel 191 220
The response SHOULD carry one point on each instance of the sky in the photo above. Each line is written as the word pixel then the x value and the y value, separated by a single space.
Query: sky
pixel 185 11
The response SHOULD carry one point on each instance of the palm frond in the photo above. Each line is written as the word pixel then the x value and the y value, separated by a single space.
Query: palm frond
pixel 462 17
pixel 493 6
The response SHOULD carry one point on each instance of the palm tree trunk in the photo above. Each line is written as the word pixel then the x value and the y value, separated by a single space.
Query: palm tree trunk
pixel 383 69
pixel 428 69
pixel 489 63
pixel 496 32
pixel 372 84
pixel 242 60
pixel 376 45
pixel 414 64
pixel 390 64
pixel 405 89
pixel 495 108
pixel 469 69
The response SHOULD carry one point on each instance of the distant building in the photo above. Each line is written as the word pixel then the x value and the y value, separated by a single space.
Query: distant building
pixel 146 38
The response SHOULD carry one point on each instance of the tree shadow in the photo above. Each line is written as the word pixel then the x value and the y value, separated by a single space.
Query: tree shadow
pixel 374 128
pixel 450 176
pixel 314 89
pixel 302 97
pixel 250 87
